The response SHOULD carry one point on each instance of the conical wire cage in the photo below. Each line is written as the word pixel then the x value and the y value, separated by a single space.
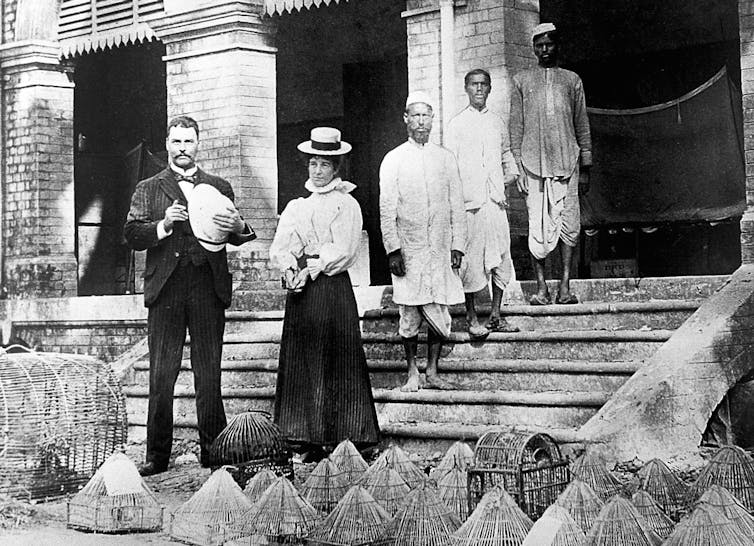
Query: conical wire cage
pixel 556 527
pixel 424 520
pixel 657 479
pixel 281 515
pixel 528 465
pixel 496 521
pixel 619 522
pixel 591 469
pixel 723 500
pixel 458 455
pixel 386 487
pixel 349 460
pixel 394 457
pixel 730 468
pixel 453 488
pixel 205 517
pixel 707 526
pixel 249 443
pixel 658 520
pixel 325 486
pixel 115 500
pixel 258 484
pixel 62 416
pixel 582 503
pixel 357 520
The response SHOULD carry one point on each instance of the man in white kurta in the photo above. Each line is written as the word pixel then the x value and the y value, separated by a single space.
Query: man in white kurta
pixel 424 233
pixel 479 139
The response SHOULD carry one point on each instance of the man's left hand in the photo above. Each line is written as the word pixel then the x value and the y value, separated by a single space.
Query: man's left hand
pixel 584 181
pixel 456 256
pixel 229 221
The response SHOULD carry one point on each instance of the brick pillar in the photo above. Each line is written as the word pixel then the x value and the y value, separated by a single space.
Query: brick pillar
pixel 220 65
pixel 38 209
pixel 746 30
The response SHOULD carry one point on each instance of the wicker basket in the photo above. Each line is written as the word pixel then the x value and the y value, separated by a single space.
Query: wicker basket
pixel 453 488
pixel 280 515
pixel 730 468
pixel 258 484
pixel 527 465
pixel 657 479
pixel 619 522
pixel 394 457
pixel 205 517
pixel 707 526
pixel 723 500
pixel 249 443
pixel 325 486
pixel 116 500
pixel 61 417
pixel 386 487
pixel 497 521
pixel 459 455
pixel 357 520
pixel 582 503
pixel 658 521
pixel 590 469
pixel 424 520
pixel 556 527
pixel 349 460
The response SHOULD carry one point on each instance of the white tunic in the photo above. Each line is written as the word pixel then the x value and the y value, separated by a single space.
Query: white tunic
pixel 422 213
pixel 327 223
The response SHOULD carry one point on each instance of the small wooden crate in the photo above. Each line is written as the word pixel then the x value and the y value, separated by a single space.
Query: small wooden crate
pixel 527 465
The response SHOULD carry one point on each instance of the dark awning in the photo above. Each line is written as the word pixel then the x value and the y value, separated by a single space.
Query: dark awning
pixel 680 161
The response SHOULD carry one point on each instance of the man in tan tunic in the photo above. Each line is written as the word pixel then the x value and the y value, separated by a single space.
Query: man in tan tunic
pixel 424 233
pixel 549 138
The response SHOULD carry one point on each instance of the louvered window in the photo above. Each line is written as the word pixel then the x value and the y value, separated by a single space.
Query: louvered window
pixel 85 17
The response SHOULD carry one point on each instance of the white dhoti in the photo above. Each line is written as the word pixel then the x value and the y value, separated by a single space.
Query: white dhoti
pixel 554 212
pixel 437 316
pixel 488 249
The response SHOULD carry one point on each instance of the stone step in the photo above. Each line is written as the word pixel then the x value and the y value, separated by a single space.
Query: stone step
pixel 490 408
pixel 488 375
pixel 665 314
pixel 571 345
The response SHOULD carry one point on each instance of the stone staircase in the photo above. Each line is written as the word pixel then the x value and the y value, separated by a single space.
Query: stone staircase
pixel 554 374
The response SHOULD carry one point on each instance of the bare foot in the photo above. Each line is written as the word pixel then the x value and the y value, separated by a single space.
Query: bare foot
pixel 412 385
pixel 434 382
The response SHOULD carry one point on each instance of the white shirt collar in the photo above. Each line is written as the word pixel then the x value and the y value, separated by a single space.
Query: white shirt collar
pixel 475 111
pixel 334 184
pixel 184 172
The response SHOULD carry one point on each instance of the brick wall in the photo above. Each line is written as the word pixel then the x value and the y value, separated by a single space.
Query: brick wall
pixel 9 19
pixel 38 222
pixel 746 30
pixel 105 340
pixel 224 76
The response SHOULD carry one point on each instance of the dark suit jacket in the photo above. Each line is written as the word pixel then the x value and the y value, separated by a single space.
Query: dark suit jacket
pixel 148 203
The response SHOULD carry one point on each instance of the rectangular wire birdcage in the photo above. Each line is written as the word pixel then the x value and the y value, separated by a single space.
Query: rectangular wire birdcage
pixel 527 465
pixel 113 515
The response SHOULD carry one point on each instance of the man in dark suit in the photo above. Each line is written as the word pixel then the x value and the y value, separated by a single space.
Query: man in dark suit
pixel 185 285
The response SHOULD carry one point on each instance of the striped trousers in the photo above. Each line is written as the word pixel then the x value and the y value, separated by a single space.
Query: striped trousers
pixel 187 300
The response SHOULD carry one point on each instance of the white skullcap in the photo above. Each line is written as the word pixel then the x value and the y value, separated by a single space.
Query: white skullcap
pixel 541 29
pixel 419 96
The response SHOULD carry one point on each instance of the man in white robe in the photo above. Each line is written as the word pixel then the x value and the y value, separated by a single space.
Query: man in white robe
pixel 479 139
pixel 424 233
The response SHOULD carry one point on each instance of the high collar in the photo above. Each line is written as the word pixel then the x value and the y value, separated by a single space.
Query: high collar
pixel 475 111
pixel 337 183
pixel 184 172
pixel 421 146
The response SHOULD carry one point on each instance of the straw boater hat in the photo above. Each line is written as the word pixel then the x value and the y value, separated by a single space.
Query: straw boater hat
pixel 324 141
pixel 204 202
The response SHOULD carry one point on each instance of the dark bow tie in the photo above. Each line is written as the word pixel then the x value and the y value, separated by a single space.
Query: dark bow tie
pixel 184 178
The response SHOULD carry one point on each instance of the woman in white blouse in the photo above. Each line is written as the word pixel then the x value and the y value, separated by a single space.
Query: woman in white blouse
pixel 323 393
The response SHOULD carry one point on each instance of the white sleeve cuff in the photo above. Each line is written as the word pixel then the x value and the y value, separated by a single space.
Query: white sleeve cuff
pixel 162 233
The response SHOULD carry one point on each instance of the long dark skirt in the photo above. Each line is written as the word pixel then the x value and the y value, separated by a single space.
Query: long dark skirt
pixel 323 393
